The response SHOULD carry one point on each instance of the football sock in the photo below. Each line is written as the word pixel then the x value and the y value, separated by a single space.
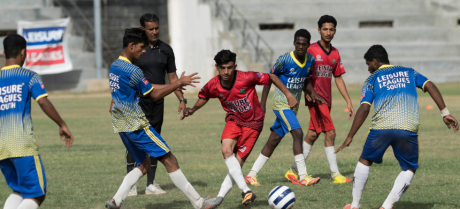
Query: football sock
pixel 179 180
pixel 128 182
pixel 13 201
pixel 226 186
pixel 234 169
pixel 332 160
pixel 401 185
pixel 152 171
pixel 359 182
pixel 260 162
pixel 306 152
pixel 301 168
pixel 28 204
pixel 130 162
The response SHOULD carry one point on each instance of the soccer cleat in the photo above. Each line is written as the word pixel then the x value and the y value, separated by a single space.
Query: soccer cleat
pixel 308 181
pixel 211 203
pixel 252 180
pixel 111 204
pixel 384 208
pixel 248 198
pixel 340 179
pixel 348 207
pixel 291 176
pixel 154 189
pixel 133 192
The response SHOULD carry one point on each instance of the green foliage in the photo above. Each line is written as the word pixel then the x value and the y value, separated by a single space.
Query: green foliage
pixel 90 172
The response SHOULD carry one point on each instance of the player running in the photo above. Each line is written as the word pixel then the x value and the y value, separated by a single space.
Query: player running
pixel 19 159
pixel 127 83
pixel 293 69
pixel 327 64
pixel 395 123
pixel 244 121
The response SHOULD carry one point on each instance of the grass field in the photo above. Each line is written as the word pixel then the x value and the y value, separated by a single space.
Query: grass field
pixel 90 172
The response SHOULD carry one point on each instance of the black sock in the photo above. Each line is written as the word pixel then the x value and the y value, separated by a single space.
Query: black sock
pixel 130 162
pixel 152 171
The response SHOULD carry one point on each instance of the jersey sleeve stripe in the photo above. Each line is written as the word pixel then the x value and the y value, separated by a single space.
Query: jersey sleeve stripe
pixel 366 103
pixel 148 91
pixel 41 96
pixel 423 87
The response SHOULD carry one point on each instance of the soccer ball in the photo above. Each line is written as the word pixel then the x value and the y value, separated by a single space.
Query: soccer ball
pixel 281 197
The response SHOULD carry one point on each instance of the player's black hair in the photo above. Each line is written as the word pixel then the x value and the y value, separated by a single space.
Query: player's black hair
pixel 326 19
pixel 377 52
pixel 13 44
pixel 225 56
pixel 149 17
pixel 302 33
pixel 135 35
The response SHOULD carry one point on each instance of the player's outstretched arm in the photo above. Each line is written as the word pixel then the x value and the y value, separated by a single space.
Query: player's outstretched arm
pixel 265 91
pixel 172 77
pixel 343 90
pixel 291 100
pixel 189 111
pixel 51 112
pixel 448 119
pixel 361 116
pixel 313 97
pixel 159 93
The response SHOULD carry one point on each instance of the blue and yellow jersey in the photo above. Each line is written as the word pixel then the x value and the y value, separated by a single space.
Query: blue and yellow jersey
pixel 17 86
pixel 127 83
pixel 293 75
pixel 393 91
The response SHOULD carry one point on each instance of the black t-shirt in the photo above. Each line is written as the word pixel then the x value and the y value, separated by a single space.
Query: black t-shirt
pixel 156 62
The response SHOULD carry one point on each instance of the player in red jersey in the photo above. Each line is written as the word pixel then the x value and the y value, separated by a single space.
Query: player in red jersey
pixel 244 121
pixel 327 64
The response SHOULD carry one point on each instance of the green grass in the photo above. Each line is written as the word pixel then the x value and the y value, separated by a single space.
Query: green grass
pixel 90 172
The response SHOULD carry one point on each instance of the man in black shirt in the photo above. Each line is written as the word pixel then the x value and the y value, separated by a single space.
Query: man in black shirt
pixel 157 61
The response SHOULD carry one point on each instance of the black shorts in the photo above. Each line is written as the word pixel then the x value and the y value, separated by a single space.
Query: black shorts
pixel 154 111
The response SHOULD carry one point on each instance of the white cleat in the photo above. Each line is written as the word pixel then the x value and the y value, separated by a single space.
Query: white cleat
pixel 133 192
pixel 154 189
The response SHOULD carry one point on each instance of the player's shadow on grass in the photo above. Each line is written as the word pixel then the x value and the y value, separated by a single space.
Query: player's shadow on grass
pixel 410 205
pixel 177 204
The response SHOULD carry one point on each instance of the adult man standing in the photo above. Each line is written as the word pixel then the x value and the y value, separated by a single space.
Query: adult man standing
pixel 155 63
pixel 327 64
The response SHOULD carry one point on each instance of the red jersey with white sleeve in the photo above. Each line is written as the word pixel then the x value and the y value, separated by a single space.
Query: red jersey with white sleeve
pixel 326 65
pixel 240 101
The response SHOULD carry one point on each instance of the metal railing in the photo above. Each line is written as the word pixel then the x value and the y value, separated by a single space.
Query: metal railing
pixel 250 38
pixel 87 31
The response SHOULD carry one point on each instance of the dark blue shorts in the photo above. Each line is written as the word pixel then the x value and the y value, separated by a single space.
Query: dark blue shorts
pixel 285 122
pixel 404 144
pixel 25 175
pixel 144 142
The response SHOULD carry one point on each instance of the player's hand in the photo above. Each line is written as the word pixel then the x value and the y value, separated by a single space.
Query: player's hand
pixel 315 97
pixel 292 102
pixel 346 143
pixel 189 79
pixel 307 97
pixel 264 107
pixel 110 109
pixel 351 111
pixel 187 112
pixel 66 136
pixel 449 120
pixel 181 107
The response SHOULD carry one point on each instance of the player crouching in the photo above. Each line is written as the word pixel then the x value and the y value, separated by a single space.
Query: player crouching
pixel 244 121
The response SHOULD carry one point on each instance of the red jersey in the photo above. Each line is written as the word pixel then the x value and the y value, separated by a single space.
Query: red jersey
pixel 240 100
pixel 326 65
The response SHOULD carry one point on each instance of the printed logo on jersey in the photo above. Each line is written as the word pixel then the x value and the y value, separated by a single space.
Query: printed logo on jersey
pixel 394 80
pixel 114 82
pixel 261 75
pixel 292 71
pixel 145 81
pixel 295 83
pixel 242 149
pixel 341 64
pixel 41 84
pixel 318 58
pixel 333 61
pixel 243 91
pixel 273 70
pixel 222 96
pixel 9 95
pixel 240 105
pixel 323 71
